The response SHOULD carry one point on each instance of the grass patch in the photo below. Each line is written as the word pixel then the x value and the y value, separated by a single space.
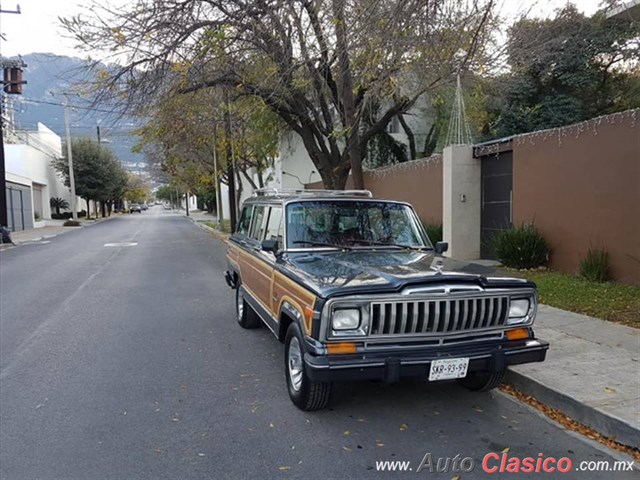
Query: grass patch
pixel 226 225
pixel 607 300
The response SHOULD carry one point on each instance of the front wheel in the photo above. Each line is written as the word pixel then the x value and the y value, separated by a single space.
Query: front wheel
pixel 484 381
pixel 305 393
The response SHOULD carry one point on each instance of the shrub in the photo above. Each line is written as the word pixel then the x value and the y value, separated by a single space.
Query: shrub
pixel 59 204
pixel 434 231
pixel 521 247
pixel 66 215
pixel 595 265
pixel 71 223
pixel 36 216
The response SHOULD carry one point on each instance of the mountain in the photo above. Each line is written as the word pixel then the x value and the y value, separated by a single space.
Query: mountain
pixel 48 76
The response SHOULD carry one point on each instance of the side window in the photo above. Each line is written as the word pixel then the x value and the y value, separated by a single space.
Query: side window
pixel 274 226
pixel 245 220
pixel 258 223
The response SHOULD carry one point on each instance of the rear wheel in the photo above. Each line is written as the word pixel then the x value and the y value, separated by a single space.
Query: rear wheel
pixel 245 315
pixel 484 381
pixel 305 393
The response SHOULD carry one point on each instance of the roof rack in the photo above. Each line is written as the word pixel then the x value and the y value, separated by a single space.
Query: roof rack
pixel 284 192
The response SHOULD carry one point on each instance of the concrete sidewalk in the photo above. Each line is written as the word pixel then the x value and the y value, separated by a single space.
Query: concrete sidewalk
pixel 591 374
pixel 52 228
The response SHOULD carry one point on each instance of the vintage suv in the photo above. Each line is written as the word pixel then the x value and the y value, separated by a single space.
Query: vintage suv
pixel 355 290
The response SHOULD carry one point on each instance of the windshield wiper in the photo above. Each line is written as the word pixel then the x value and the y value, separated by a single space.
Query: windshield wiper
pixel 321 244
pixel 398 245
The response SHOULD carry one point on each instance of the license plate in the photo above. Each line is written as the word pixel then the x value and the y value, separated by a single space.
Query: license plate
pixel 449 368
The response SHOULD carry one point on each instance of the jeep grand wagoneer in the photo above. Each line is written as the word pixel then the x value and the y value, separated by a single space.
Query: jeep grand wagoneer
pixel 355 290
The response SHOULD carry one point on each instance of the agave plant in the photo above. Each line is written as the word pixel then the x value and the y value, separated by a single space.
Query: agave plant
pixel 58 203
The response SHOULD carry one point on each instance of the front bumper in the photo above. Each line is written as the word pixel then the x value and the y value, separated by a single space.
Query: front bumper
pixel 391 367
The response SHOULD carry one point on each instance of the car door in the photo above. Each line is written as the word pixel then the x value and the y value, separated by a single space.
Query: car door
pixel 258 264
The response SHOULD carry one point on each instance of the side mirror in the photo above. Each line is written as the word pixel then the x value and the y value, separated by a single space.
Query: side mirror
pixel 270 246
pixel 442 247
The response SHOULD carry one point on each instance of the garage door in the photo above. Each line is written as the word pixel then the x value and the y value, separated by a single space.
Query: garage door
pixel 19 208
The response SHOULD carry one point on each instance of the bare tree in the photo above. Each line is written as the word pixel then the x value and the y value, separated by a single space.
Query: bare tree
pixel 316 63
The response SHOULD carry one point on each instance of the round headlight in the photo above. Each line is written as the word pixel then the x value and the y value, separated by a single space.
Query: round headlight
pixel 346 319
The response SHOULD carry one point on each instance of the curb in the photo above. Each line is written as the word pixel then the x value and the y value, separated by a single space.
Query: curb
pixel 221 236
pixel 618 429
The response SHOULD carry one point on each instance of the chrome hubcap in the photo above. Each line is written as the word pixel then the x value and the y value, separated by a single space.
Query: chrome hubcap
pixel 240 304
pixel 294 362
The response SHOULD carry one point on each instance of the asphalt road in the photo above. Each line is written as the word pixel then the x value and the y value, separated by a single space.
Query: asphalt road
pixel 125 362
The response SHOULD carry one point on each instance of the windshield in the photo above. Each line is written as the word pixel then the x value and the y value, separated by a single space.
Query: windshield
pixel 351 224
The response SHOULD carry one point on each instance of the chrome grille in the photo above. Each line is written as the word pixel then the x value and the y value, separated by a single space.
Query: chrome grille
pixel 438 316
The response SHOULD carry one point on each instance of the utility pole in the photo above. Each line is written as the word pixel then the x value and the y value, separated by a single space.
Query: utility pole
pixel 219 214
pixel 11 85
pixel 231 181
pixel 72 180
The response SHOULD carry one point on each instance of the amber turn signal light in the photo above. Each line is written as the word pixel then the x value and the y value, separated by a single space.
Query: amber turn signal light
pixel 518 334
pixel 337 348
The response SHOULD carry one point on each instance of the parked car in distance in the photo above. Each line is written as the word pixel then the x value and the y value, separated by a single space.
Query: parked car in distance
pixel 144 206
pixel 355 290
pixel 135 207
pixel 167 206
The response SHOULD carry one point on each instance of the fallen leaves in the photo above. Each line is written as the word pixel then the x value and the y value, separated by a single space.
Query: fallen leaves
pixel 610 390
pixel 284 468
pixel 403 427
pixel 346 449
pixel 570 423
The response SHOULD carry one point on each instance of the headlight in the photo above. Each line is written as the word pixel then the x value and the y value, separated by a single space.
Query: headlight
pixel 518 310
pixel 347 319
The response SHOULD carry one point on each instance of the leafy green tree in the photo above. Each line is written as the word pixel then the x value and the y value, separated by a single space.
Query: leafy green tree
pixel 167 193
pixel 98 174
pixel 137 190
pixel 564 70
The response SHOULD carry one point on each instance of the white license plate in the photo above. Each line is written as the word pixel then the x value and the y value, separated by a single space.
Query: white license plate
pixel 449 368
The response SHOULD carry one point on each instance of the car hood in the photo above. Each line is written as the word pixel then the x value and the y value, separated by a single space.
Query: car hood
pixel 376 271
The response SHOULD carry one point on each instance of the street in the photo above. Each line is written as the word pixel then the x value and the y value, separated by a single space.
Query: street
pixel 125 361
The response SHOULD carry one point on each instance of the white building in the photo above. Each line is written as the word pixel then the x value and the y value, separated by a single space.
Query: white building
pixel 31 179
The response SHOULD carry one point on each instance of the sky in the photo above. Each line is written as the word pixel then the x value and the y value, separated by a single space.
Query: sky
pixel 37 28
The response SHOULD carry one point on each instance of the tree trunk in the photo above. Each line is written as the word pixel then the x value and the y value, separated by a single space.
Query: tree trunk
pixel 88 209
pixel 347 96
pixel 187 202
pixel 412 139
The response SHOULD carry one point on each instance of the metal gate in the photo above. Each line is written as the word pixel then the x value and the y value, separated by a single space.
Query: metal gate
pixel 19 209
pixel 497 195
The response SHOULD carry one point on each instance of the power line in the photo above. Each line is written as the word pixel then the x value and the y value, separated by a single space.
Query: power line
pixel 91 109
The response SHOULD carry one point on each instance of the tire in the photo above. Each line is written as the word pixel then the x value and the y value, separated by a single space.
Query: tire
pixel 306 394
pixel 483 382
pixel 245 315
